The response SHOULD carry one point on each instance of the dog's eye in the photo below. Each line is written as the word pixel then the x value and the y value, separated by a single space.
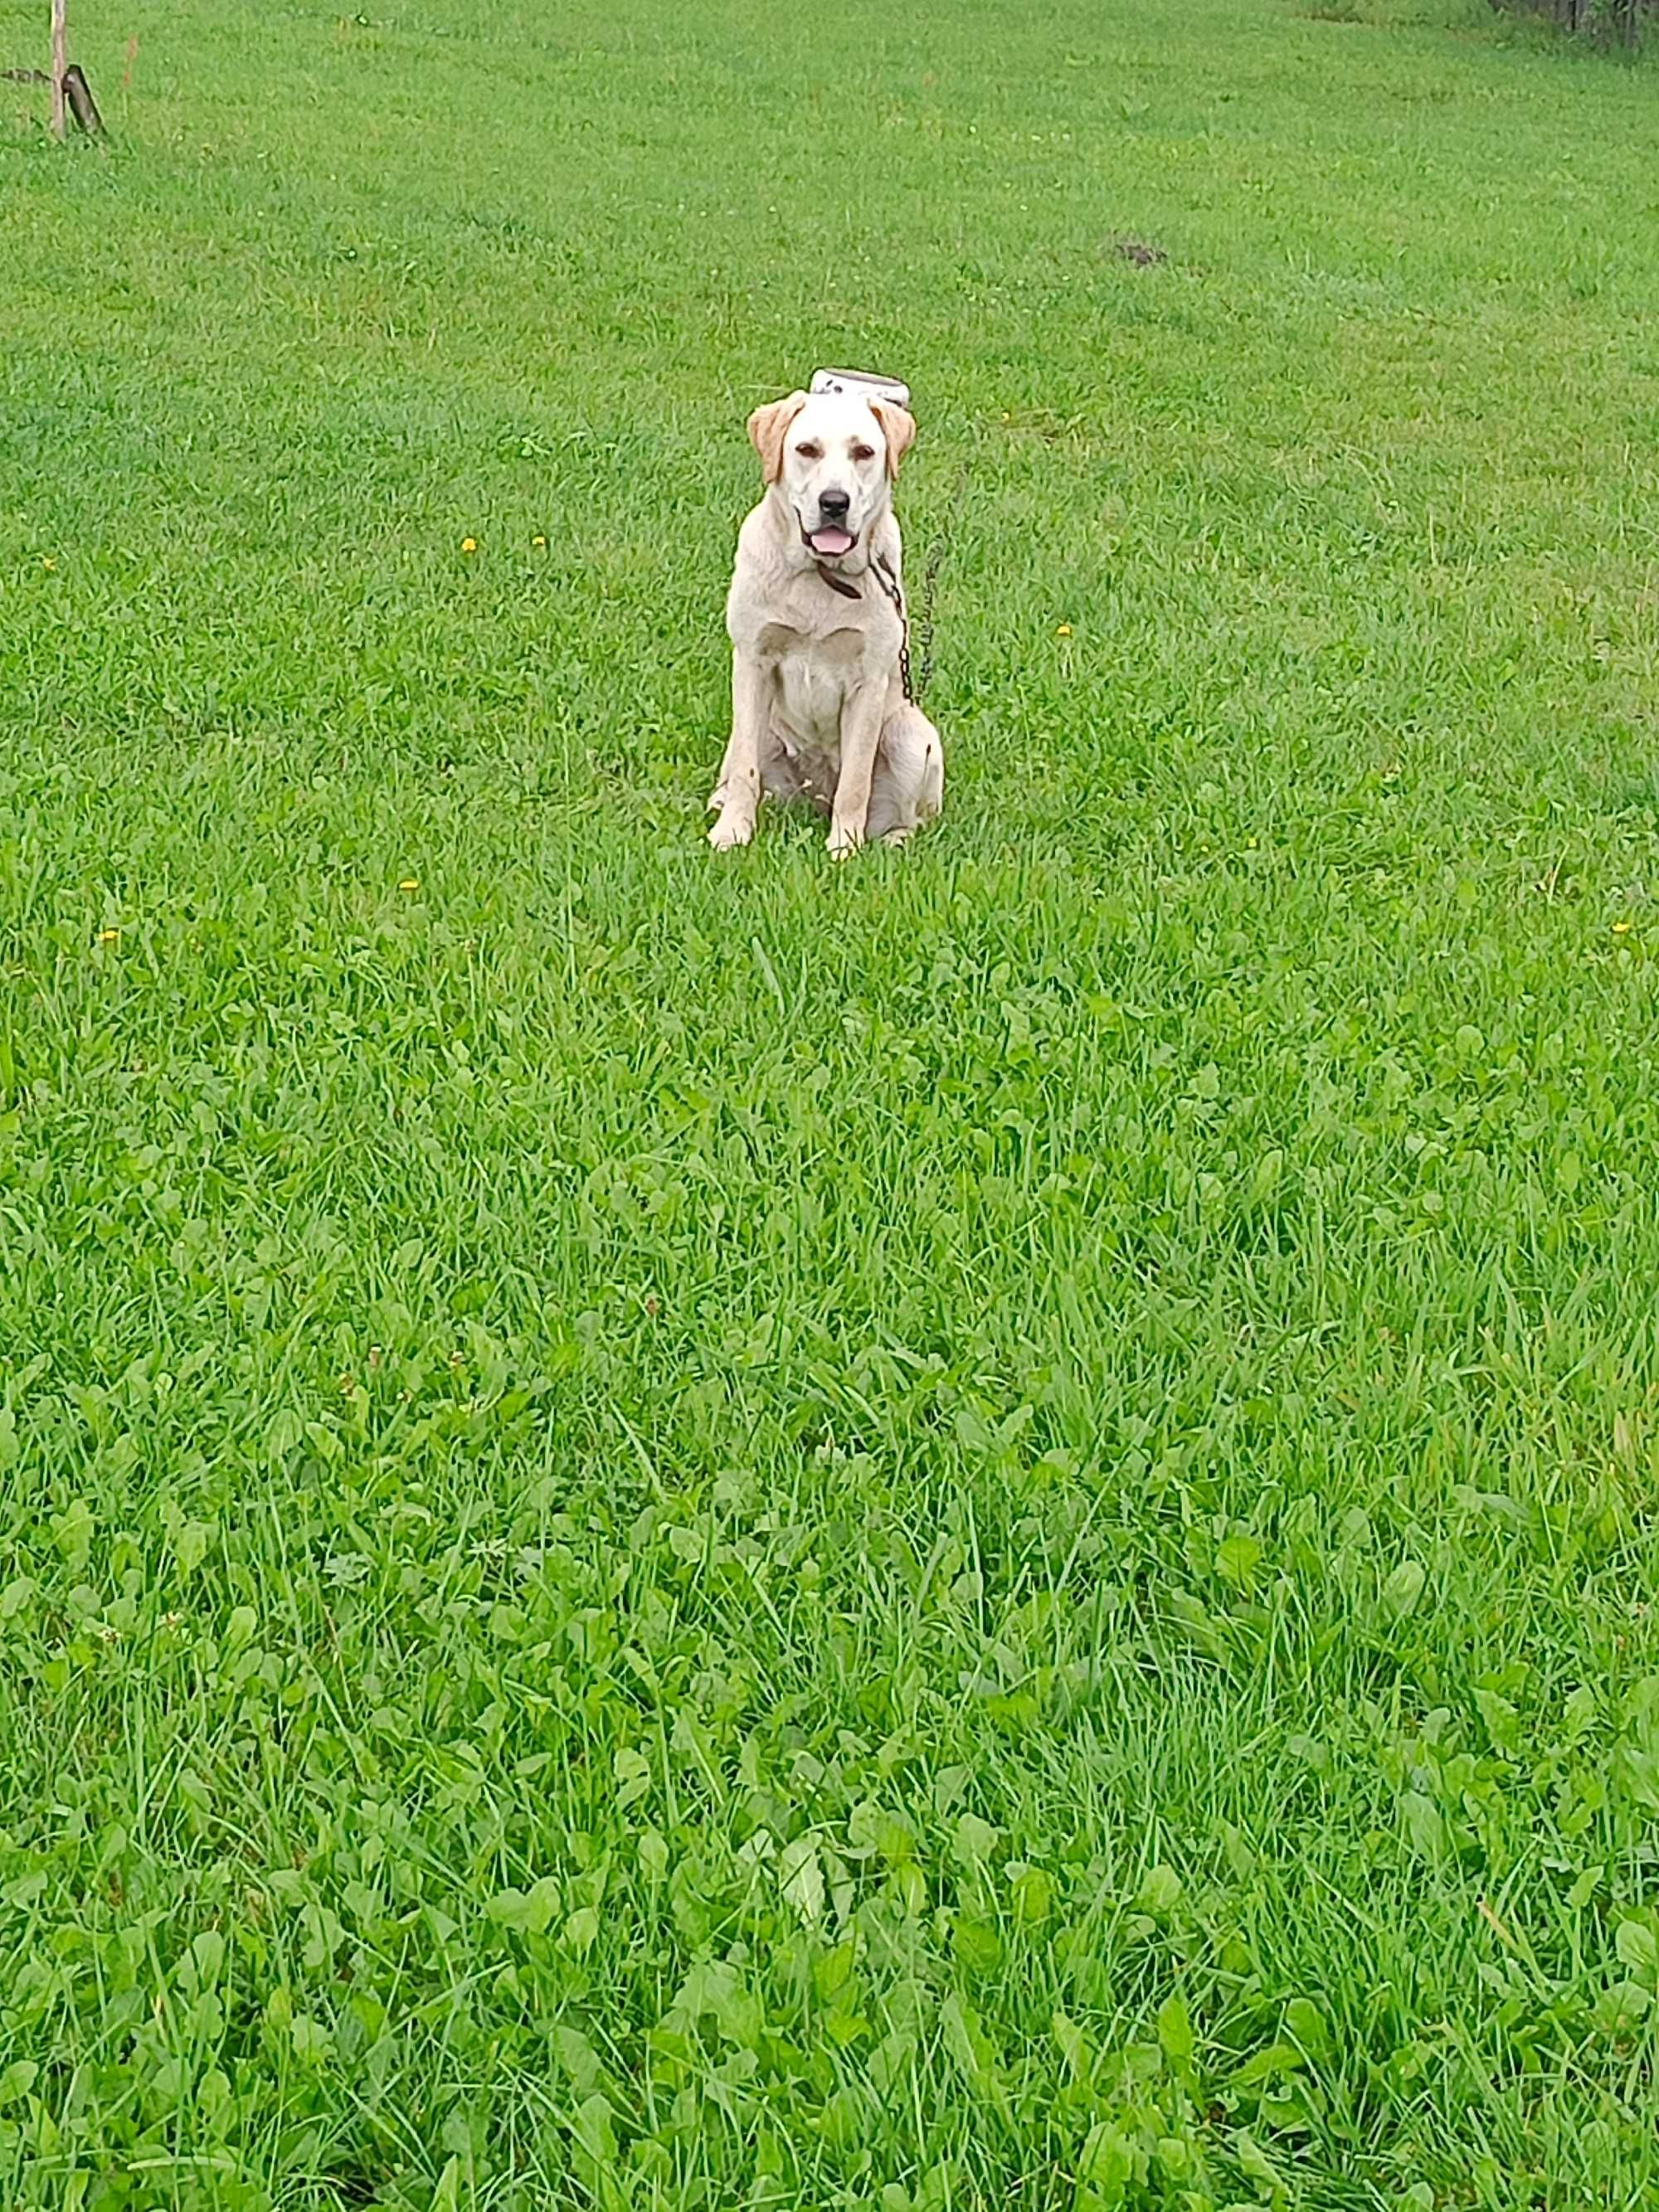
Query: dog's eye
pixel 864 452
pixel 810 453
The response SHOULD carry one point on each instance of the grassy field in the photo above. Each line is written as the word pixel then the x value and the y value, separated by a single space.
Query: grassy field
pixel 972 1532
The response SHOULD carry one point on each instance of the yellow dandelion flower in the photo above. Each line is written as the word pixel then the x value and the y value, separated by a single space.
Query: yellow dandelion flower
pixel 468 544
pixel 46 562
pixel 109 936
pixel 1064 630
pixel 409 883
pixel 1620 928
pixel 539 541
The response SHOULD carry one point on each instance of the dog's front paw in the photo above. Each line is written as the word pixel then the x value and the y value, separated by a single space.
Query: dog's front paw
pixel 845 838
pixel 734 827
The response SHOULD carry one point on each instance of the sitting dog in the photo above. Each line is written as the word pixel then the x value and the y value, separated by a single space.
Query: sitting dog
pixel 816 615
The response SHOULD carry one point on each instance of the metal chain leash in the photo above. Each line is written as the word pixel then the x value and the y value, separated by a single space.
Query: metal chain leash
pixel 934 562
pixel 888 583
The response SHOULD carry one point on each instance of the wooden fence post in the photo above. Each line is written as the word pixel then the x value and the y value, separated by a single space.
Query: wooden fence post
pixel 59 66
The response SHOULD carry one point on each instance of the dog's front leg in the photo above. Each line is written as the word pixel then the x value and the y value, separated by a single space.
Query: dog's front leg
pixel 860 735
pixel 736 794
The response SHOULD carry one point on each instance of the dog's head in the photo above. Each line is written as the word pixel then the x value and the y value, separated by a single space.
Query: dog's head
pixel 833 457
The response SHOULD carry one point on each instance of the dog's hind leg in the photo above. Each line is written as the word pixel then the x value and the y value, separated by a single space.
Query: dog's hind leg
pixel 908 787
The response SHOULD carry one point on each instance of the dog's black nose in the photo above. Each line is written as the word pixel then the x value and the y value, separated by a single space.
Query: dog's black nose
pixel 835 504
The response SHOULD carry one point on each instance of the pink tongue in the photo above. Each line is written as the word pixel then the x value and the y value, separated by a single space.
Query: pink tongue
pixel 832 542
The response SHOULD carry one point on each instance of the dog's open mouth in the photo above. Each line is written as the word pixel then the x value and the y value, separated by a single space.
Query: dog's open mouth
pixel 829 543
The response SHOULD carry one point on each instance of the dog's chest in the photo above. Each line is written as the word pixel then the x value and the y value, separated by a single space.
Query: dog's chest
pixel 814 678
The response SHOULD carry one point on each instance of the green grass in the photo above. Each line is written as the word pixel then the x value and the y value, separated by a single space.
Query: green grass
pixel 972 1532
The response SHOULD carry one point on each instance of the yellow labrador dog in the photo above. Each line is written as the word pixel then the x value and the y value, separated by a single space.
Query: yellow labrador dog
pixel 816 622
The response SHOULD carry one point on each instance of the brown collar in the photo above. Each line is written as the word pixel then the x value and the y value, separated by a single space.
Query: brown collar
pixel 838 583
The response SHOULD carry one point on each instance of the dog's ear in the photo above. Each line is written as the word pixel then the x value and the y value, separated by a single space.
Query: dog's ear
pixel 768 427
pixel 898 428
